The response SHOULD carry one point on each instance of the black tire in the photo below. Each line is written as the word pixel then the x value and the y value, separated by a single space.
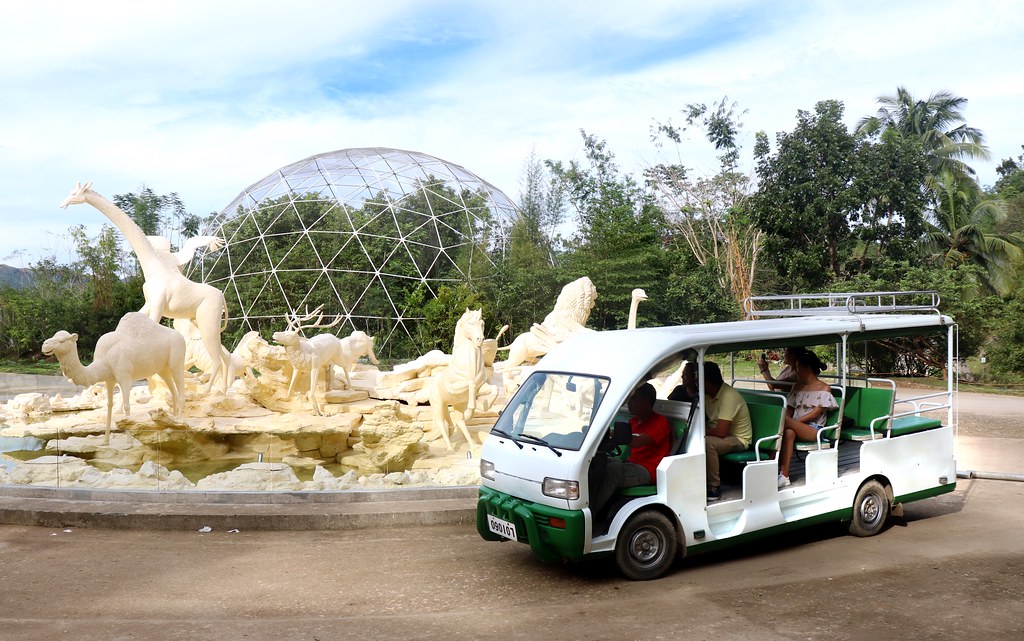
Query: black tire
pixel 646 546
pixel 871 509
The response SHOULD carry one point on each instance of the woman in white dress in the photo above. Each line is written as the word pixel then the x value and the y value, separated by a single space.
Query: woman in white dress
pixel 806 407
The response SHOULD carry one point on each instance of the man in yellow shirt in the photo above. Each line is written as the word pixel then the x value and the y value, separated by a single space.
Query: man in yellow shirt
pixel 728 424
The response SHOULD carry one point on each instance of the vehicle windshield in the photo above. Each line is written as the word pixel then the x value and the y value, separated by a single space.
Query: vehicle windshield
pixel 553 409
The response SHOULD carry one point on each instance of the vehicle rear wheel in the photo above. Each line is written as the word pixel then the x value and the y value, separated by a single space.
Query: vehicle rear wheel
pixel 870 510
pixel 646 546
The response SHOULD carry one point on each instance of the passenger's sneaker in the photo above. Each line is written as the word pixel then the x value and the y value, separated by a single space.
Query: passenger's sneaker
pixel 714 494
pixel 783 481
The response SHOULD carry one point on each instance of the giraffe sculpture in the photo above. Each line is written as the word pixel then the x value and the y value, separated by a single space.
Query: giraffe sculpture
pixel 167 291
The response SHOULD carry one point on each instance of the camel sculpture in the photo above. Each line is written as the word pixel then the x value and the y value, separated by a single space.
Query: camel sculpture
pixel 462 384
pixel 168 293
pixel 138 348
pixel 310 354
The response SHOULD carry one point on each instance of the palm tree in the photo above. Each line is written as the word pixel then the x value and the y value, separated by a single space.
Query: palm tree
pixel 937 123
pixel 963 232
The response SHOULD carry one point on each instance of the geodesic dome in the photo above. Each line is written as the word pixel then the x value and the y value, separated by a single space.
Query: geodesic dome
pixel 367 233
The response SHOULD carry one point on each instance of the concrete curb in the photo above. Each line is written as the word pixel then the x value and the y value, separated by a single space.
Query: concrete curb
pixel 221 511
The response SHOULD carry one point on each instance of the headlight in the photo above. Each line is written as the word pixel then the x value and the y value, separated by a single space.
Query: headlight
pixel 560 488
pixel 487 469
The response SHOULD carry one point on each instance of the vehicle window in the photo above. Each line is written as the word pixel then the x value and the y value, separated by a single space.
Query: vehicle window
pixel 558 409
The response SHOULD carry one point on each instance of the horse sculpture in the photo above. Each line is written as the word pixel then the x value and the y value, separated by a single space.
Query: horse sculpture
pixel 462 384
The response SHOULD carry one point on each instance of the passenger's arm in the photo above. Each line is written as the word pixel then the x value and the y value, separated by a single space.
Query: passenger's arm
pixel 721 428
pixel 640 440
pixel 813 415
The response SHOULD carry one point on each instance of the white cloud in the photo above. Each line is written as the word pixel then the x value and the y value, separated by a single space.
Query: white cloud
pixel 205 98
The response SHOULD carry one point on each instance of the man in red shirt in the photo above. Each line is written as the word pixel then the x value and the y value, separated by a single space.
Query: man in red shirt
pixel 650 443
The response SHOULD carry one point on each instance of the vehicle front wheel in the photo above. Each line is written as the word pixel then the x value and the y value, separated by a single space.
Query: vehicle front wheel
pixel 646 546
pixel 870 510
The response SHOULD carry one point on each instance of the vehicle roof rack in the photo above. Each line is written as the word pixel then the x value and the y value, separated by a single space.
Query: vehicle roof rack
pixel 840 304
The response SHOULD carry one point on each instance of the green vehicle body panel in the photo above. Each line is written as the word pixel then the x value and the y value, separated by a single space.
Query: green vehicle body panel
pixel 532 525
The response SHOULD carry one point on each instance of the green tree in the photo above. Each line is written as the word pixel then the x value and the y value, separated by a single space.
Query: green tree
pixel 619 242
pixel 926 354
pixel 889 178
pixel 1010 188
pixel 154 213
pixel 807 197
pixel 1006 354
pixel 527 277
pixel 709 214
pixel 938 123
pixel 834 204
pixel 963 232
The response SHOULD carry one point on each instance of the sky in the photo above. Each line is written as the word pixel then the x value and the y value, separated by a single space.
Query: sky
pixel 204 98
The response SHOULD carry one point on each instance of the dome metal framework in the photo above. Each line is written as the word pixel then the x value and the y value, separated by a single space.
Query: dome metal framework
pixel 368 233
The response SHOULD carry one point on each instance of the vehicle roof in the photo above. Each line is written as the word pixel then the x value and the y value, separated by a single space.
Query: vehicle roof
pixel 632 353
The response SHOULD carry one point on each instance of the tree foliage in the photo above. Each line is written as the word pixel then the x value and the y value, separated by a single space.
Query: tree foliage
pixel 833 203
pixel 709 212
pixel 964 232
pixel 937 123
pixel 619 242
pixel 891 205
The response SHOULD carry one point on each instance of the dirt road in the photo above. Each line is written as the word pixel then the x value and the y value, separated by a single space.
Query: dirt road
pixel 953 568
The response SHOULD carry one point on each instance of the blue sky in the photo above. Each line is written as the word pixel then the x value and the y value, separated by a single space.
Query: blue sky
pixel 205 98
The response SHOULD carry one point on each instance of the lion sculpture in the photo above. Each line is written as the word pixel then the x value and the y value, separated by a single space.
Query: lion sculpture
pixel 572 309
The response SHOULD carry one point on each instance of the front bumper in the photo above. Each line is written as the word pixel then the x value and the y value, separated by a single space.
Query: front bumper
pixel 533 525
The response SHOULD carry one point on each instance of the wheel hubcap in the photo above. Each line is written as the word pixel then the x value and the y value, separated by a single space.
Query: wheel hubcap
pixel 870 510
pixel 646 546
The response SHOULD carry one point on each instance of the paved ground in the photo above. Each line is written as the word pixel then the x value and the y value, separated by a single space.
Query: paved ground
pixel 952 568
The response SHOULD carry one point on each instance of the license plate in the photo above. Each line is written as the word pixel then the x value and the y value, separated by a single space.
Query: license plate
pixel 501 527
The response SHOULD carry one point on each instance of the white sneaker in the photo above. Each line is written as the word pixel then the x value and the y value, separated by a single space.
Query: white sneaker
pixel 783 481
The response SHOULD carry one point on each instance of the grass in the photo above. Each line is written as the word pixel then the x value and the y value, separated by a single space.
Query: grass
pixel 44 367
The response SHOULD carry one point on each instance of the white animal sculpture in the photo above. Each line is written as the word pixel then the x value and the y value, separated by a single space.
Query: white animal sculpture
pixel 138 348
pixel 462 383
pixel 167 291
pixel 188 249
pixel 639 296
pixel 572 309
pixel 310 354
pixel 196 355
pixel 353 347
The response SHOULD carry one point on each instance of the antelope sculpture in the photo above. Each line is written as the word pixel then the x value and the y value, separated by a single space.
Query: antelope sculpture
pixel 310 354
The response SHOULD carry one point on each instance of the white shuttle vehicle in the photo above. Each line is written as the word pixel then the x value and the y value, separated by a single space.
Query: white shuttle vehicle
pixel 877 452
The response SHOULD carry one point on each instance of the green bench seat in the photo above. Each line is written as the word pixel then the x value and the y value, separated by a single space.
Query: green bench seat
pixel 910 424
pixel 864 405
pixel 766 424
pixel 867 404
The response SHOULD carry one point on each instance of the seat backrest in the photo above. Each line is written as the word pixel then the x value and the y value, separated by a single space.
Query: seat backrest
pixel 864 404
pixel 762 396
pixel 679 431
pixel 765 420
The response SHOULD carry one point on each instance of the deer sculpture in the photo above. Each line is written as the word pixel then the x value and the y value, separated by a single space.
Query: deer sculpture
pixel 310 354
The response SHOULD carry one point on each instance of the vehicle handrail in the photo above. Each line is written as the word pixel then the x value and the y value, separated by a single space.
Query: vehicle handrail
pixel 842 303
pixel 925 407
pixel 895 415
pixel 757 445
pixel 761 381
